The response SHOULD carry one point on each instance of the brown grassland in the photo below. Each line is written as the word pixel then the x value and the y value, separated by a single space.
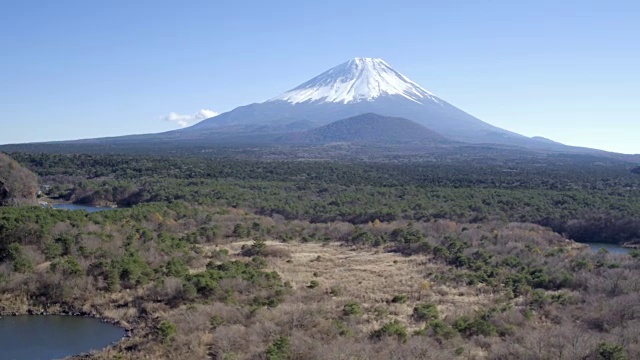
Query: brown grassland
pixel 193 282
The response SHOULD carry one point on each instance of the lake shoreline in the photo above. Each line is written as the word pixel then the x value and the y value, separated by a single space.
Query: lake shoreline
pixel 615 249
pixel 107 340
pixel 131 329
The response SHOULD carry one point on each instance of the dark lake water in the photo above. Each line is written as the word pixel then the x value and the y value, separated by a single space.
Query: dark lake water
pixel 613 249
pixel 80 207
pixel 39 337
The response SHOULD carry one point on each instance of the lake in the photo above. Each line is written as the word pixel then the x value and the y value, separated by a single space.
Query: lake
pixel 43 337
pixel 612 248
pixel 86 208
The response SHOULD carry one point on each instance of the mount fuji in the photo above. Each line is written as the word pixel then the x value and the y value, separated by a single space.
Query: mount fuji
pixel 358 86
pixel 361 101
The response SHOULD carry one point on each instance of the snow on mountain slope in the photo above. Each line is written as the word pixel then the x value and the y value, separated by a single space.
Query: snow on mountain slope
pixel 359 79
pixel 360 86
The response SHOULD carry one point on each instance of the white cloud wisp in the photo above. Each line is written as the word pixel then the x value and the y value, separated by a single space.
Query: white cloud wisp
pixel 186 120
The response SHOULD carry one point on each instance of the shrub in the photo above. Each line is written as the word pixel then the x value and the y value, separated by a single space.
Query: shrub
pixel 313 284
pixel 21 262
pixel 581 264
pixel 241 231
pixel 279 349
pixel 166 330
pixel 400 299
pixel 220 255
pixel 407 235
pixel 528 314
pixel 68 266
pixel 335 291
pixel 442 329
pixel 391 329
pixel 361 237
pixel 133 269
pixel 216 321
pixel 476 326
pixel 177 268
pixel 112 278
pixel 538 299
pixel 343 329
pixel 425 312
pixel 256 249
pixel 52 250
pixel 259 262
pixel 608 351
pixel 352 308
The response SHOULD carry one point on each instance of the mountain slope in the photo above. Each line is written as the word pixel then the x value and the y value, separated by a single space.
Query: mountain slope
pixel 368 128
pixel 357 80
pixel 18 186
pixel 358 86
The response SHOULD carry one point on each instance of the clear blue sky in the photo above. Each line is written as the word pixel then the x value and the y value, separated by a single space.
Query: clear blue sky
pixel 566 70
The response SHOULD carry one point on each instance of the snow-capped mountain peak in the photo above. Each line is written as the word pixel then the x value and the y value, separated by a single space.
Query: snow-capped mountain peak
pixel 359 79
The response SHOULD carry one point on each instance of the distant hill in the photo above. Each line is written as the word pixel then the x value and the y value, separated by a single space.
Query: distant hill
pixel 18 186
pixel 545 140
pixel 368 128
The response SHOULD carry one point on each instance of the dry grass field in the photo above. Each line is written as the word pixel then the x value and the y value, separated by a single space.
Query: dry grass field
pixel 368 276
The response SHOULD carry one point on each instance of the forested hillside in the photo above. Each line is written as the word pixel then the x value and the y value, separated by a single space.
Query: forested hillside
pixel 193 282
pixel 18 186
pixel 368 128
pixel 587 200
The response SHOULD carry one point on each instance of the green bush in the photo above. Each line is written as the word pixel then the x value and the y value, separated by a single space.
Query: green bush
pixel 176 267
pixel 279 349
pixel 256 249
pixel 133 269
pixel 608 351
pixel 426 312
pixel 479 325
pixel 52 250
pixel 537 299
pixel 400 299
pixel 21 263
pixel 391 329
pixel 216 321
pixel 112 278
pixel 343 329
pixel 442 329
pixel 335 291
pixel 166 330
pixel 352 308
pixel 68 266
pixel 220 255
pixel 241 231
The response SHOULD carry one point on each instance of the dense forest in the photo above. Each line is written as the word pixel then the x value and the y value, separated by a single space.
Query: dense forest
pixel 228 258
pixel 587 199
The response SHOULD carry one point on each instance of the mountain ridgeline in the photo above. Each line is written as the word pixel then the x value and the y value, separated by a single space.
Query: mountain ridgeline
pixel 368 128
